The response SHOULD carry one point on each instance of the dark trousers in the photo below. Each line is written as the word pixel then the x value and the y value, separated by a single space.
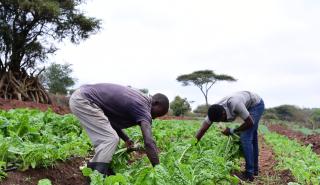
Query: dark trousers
pixel 249 140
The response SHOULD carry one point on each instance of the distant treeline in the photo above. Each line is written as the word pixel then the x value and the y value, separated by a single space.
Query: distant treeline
pixel 306 117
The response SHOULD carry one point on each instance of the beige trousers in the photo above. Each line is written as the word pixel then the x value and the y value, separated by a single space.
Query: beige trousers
pixel 103 137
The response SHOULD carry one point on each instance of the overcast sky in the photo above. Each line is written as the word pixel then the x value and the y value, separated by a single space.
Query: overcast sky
pixel 272 47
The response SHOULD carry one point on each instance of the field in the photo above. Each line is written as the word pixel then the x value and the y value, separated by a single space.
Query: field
pixel 42 147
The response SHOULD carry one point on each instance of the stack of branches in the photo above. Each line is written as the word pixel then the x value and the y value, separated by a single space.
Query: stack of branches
pixel 23 87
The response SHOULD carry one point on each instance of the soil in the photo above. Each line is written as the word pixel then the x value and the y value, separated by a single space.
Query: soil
pixel 13 104
pixel 63 173
pixel 300 137
pixel 267 172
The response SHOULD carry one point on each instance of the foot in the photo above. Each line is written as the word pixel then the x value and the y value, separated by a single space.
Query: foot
pixel 110 171
pixel 100 167
pixel 246 177
pixel 103 168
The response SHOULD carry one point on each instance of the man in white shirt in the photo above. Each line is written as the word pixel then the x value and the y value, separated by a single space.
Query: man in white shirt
pixel 249 106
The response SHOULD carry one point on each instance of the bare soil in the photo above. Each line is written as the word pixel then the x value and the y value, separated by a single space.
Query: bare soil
pixel 300 137
pixel 13 104
pixel 267 172
pixel 63 173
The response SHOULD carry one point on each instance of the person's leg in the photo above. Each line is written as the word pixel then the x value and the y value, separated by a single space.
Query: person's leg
pixel 103 137
pixel 255 152
pixel 247 147
pixel 256 113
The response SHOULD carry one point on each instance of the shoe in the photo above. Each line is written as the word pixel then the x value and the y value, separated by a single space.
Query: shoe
pixel 103 168
pixel 246 177
pixel 255 173
pixel 110 171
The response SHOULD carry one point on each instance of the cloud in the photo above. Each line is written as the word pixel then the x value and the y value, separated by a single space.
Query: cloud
pixel 271 47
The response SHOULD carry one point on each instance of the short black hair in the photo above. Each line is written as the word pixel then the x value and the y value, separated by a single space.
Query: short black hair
pixel 162 100
pixel 215 112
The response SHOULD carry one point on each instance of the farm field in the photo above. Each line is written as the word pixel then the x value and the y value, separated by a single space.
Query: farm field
pixel 167 92
pixel 215 160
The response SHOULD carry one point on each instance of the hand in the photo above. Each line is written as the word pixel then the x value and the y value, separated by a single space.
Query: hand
pixel 194 141
pixel 129 144
pixel 227 132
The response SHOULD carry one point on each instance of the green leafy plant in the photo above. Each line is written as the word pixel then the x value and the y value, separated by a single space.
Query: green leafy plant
pixel 211 161
pixel 300 160
pixel 31 138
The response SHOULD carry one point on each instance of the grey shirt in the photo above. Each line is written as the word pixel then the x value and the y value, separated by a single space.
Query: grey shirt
pixel 124 106
pixel 238 104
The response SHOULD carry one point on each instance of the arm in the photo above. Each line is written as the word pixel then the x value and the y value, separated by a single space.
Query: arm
pixel 248 123
pixel 241 111
pixel 205 126
pixel 149 143
pixel 124 137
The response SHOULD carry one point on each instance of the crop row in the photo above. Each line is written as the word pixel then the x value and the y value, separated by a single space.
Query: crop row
pixel 300 160
pixel 31 138
pixel 182 162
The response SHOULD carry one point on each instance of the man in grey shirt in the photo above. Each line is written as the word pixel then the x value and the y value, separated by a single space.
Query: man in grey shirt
pixel 105 109
pixel 248 106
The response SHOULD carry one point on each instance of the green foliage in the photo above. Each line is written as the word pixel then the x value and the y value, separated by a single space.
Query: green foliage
pixel 182 162
pixel 300 160
pixel 305 117
pixel 57 78
pixel 286 112
pixel 180 106
pixel 316 115
pixel 204 80
pixel 28 27
pixel 144 90
pixel 30 138
pixel 44 182
pixel 202 110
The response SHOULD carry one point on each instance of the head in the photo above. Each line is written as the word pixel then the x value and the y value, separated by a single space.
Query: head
pixel 160 105
pixel 216 113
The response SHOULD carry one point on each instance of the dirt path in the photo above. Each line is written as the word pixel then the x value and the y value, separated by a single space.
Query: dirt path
pixel 267 162
pixel 67 173
pixel 300 137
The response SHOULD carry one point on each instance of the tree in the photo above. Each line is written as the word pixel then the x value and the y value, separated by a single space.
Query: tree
pixel 204 80
pixel 57 78
pixel 29 31
pixel 315 118
pixel 289 113
pixel 180 106
pixel 144 90
pixel 201 109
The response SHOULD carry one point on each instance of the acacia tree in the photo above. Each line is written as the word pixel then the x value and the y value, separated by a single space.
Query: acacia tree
pixel 204 80
pixel 29 31
pixel 57 78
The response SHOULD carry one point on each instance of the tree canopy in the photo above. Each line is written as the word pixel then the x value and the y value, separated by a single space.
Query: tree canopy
pixel 201 109
pixel 204 80
pixel 57 78
pixel 29 32
pixel 180 106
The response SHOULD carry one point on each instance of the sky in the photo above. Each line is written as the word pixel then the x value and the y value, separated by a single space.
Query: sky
pixel 272 47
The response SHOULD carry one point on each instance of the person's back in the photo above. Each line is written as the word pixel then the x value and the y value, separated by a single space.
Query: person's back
pixel 238 103
pixel 249 106
pixel 105 109
pixel 124 106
